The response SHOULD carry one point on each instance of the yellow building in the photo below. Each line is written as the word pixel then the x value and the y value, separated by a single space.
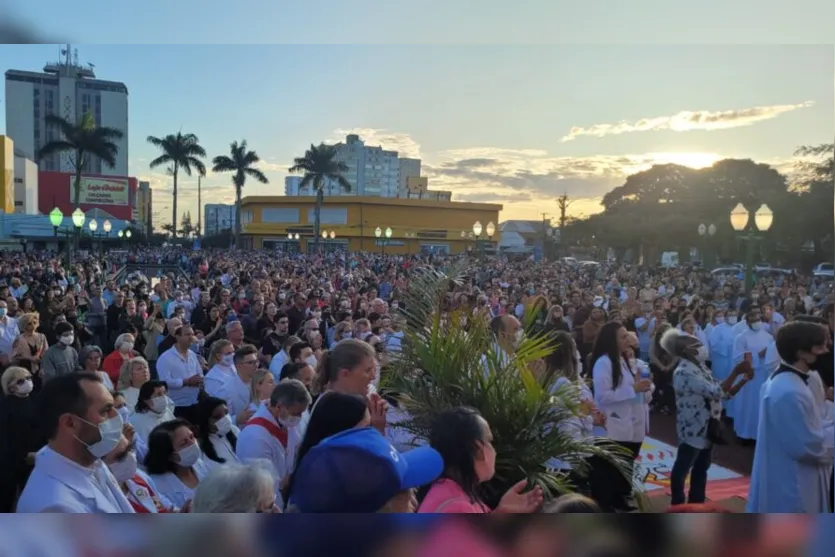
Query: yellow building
pixel 417 225
pixel 6 174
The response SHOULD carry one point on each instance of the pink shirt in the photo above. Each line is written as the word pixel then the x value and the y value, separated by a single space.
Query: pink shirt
pixel 446 496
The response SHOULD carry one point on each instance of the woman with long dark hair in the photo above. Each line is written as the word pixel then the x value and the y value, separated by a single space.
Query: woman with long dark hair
pixel 464 440
pixel 335 412
pixel 619 394
pixel 216 434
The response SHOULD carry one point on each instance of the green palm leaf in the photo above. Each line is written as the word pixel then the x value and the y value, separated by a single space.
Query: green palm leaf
pixel 445 364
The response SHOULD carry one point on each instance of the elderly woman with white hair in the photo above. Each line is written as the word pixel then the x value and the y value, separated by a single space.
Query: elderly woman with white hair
pixel 134 373
pixel 237 488
pixel 123 351
pixel 699 399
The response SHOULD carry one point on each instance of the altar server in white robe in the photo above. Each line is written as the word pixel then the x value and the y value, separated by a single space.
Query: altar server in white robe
pixel 721 344
pixel 752 345
pixel 794 452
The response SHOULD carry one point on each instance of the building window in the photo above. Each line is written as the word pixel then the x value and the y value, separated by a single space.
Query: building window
pixel 280 215
pixel 329 215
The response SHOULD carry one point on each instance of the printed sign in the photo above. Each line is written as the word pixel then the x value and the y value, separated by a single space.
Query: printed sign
pixel 103 191
pixel 655 464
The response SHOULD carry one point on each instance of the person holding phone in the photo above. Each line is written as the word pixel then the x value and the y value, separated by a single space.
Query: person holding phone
pixel 752 345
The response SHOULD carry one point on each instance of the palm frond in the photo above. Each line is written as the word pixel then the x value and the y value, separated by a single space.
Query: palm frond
pixel 58 146
pixel 223 163
pixel 451 360
pixel 257 174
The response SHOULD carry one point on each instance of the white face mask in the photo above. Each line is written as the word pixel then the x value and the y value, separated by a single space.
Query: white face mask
pixel 702 354
pixel 127 346
pixel 224 425
pixel 189 455
pixel 290 422
pixel 519 335
pixel 158 404
pixel 26 387
pixel 67 340
pixel 311 361
pixel 228 359
pixel 124 412
pixel 124 469
pixel 110 431
pixel 758 326
pixel 720 320
pixel 732 319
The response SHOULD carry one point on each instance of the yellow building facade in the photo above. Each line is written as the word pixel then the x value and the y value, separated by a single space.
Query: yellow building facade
pixel 417 225
pixel 6 174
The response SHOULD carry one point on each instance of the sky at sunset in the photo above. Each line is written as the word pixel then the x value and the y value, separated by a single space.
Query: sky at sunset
pixel 516 125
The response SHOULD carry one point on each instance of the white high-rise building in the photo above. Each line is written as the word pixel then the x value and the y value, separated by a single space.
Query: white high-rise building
pixel 70 90
pixel 409 168
pixel 372 171
pixel 218 217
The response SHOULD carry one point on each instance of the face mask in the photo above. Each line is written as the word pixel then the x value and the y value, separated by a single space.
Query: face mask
pixel 290 422
pixel 224 425
pixel 26 387
pixel 110 431
pixel 158 404
pixel 124 412
pixel 720 320
pixel 702 354
pixel 125 469
pixel 365 335
pixel 66 340
pixel 311 361
pixel 519 335
pixel 178 298
pixel 731 319
pixel 127 346
pixel 2 313
pixel 242 295
pixel 189 455
pixel 394 306
pixel 758 326
pixel 228 360
pixel 141 309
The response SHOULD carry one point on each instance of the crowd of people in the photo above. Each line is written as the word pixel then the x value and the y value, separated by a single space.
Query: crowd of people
pixel 254 381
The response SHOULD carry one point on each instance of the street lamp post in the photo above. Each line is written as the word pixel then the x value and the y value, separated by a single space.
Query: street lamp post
pixel 78 219
pixel 56 218
pixel 706 233
pixel 477 230
pixel 378 232
pixel 741 222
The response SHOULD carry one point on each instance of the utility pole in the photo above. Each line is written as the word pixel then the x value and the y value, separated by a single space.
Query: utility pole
pixel 544 233
pixel 563 203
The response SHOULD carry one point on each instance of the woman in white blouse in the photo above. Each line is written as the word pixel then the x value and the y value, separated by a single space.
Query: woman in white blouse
pixel 134 373
pixel 152 408
pixel 217 435
pixel 620 394
pixel 175 461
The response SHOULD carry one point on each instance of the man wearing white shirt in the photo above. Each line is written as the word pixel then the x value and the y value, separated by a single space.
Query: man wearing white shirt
pixel 230 378
pixel 181 370
pixel 283 357
pixel 272 434
pixel 9 331
pixel 83 425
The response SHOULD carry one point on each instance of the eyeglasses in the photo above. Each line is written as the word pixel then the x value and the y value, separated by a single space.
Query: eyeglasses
pixel 253 362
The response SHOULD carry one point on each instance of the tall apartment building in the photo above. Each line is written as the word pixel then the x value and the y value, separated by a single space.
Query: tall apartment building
pixel 409 168
pixel 70 90
pixel 217 218
pixel 372 171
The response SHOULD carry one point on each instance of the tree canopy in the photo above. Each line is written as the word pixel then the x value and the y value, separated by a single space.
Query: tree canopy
pixel 662 207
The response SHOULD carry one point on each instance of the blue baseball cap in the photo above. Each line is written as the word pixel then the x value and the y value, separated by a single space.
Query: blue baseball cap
pixel 359 471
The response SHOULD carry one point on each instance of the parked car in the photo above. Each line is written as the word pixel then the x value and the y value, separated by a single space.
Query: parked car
pixel 824 270
pixel 762 266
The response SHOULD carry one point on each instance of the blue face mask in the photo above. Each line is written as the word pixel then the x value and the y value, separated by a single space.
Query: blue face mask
pixel 2 313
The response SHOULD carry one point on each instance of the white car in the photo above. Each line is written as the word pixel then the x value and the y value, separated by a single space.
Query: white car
pixel 824 270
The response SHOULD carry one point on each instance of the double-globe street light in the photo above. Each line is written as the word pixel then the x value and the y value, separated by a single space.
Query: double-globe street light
pixel 378 233
pixel 750 233
pixel 705 233
pixel 490 230
pixel 56 219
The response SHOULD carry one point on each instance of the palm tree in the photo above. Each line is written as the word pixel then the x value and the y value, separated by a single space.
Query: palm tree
pixel 81 139
pixel 319 167
pixel 181 151
pixel 241 162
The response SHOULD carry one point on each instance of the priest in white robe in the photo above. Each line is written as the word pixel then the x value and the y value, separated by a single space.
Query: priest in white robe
pixel 752 344
pixel 794 453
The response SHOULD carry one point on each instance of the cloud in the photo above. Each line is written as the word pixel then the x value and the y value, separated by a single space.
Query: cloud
pixel 401 142
pixel 689 120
